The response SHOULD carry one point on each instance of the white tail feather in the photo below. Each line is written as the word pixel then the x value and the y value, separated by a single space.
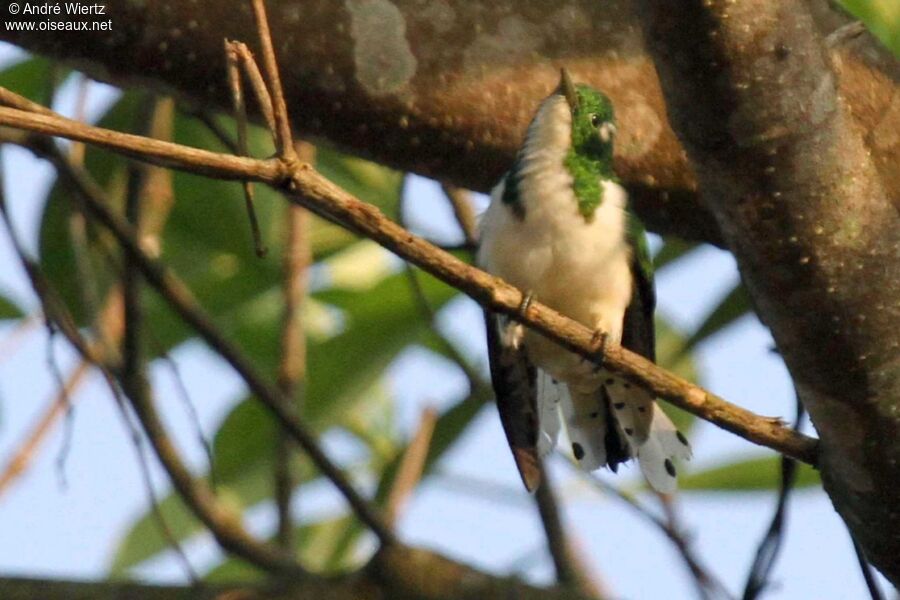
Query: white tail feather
pixel 585 417
pixel 632 406
pixel 549 395
pixel 657 456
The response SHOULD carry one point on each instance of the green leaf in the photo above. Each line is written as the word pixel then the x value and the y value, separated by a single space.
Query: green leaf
pixel 754 474
pixel 379 324
pixel 56 254
pixel 668 342
pixel 882 17
pixel 672 249
pixel 30 77
pixel 448 429
pixel 207 236
pixel 344 369
pixel 734 305
pixel 367 181
pixel 317 542
pixel 9 309
pixel 145 540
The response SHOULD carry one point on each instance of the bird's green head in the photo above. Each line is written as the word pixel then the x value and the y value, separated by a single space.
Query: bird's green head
pixel 593 120
pixel 590 157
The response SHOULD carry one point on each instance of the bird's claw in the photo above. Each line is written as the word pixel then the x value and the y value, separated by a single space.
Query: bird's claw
pixel 525 304
pixel 598 348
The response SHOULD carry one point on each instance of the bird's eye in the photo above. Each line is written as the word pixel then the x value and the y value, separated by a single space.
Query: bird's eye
pixel 595 120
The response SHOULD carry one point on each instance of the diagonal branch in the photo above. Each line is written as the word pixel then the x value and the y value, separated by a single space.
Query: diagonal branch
pixel 310 189
pixel 446 88
pixel 707 585
pixel 182 300
pixel 221 521
pixel 569 570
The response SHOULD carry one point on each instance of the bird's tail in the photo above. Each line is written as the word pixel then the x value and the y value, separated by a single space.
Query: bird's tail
pixel 619 421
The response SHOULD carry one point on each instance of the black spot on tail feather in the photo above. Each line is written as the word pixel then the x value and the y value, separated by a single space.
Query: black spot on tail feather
pixel 681 438
pixel 578 451
pixel 670 468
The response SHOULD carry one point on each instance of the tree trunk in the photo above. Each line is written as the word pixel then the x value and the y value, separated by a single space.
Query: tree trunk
pixel 813 222
pixel 796 143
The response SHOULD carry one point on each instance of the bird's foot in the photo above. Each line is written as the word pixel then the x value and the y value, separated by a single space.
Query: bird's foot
pixel 598 348
pixel 525 304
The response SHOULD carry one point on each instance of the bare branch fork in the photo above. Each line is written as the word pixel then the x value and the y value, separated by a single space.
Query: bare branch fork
pixel 304 186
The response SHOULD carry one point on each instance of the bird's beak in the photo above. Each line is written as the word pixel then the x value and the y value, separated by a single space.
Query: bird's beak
pixel 567 88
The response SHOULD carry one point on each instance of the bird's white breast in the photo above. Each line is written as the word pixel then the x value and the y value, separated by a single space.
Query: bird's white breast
pixel 578 267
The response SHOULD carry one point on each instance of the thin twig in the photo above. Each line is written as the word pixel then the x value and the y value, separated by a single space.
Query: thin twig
pixel 25 451
pixel 706 585
pixel 461 201
pixel 669 528
pixel 56 312
pixel 109 327
pixel 179 296
pixel 412 465
pixel 193 415
pixel 770 545
pixel 244 57
pixel 209 121
pixel 282 129
pixel 68 409
pixel 425 309
pixel 310 189
pixel 557 540
pixel 133 373
pixel 240 116
pixel 221 521
pixel 292 366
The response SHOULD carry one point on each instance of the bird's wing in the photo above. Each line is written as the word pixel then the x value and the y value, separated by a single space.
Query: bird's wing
pixel 637 331
pixel 658 444
pixel 514 378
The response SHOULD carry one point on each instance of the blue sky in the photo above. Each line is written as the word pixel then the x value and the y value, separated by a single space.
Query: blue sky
pixel 72 531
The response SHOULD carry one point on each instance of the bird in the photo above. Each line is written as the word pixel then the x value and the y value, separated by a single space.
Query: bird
pixel 559 228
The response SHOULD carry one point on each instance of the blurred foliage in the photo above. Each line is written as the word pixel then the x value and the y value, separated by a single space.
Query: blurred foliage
pixel 882 17
pixel 733 306
pixel 31 78
pixel 9 309
pixel 744 475
pixel 361 314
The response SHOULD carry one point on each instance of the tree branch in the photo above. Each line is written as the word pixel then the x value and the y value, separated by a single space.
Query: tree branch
pixel 306 187
pixel 292 367
pixel 174 291
pixel 222 522
pixel 569 570
pixel 446 91
pixel 812 215
pixel 399 572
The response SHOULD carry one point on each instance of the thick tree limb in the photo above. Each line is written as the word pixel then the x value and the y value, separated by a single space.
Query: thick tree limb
pixel 399 573
pixel 447 90
pixel 813 218
pixel 304 185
